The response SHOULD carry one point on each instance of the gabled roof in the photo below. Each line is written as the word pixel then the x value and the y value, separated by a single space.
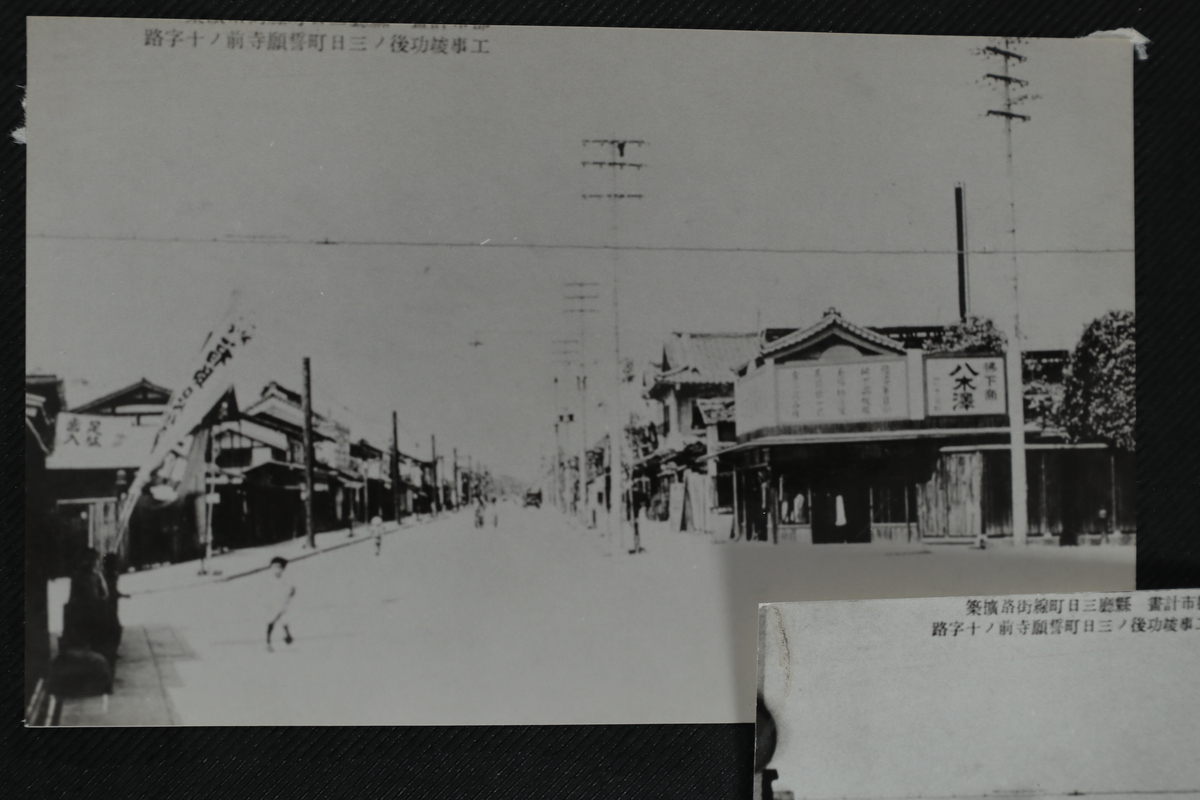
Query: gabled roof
pixel 274 412
pixel 279 406
pixel 142 392
pixel 829 324
pixel 276 389
pixel 916 337
pixel 255 430
pixel 50 389
pixel 706 358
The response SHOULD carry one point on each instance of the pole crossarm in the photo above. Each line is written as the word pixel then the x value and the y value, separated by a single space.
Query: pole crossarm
pixel 1008 115
pixel 1006 79
pixel 1005 53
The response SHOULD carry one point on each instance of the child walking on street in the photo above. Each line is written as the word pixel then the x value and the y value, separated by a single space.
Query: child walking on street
pixel 285 592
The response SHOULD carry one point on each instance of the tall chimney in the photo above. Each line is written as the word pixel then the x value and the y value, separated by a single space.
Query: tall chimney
pixel 964 286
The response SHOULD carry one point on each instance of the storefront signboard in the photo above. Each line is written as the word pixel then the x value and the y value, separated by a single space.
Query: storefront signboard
pixel 859 391
pixel 965 386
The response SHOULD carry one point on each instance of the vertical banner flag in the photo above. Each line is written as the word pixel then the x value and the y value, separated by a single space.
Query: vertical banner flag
pixel 209 380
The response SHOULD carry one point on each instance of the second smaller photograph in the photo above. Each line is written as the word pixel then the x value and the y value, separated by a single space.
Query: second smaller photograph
pixel 1029 696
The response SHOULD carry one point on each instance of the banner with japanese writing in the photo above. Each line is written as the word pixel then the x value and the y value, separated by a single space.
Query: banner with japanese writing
pixel 211 376
pixel 965 386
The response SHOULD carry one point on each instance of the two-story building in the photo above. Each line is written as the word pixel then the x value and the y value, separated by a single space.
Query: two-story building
pixel 44 399
pixel 97 449
pixel 694 387
pixel 258 476
pixel 848 434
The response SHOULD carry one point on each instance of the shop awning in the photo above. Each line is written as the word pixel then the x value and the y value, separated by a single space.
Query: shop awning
pixel 859 437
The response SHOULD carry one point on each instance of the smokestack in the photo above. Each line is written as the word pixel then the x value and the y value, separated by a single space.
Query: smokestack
pixel 964 289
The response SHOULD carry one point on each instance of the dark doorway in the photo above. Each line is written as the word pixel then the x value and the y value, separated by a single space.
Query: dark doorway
pixel 841 508
pixel 754 503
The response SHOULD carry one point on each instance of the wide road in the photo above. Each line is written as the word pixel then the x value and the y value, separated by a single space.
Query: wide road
pixel 536 621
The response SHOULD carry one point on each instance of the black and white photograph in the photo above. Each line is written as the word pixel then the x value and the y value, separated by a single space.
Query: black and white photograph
pixel 413 374
pixel 1047 696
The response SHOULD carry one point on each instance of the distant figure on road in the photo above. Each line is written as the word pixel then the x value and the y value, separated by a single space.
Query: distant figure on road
pixel 637 503
pixel 479 508
pixel 284 593
pixel 495 514
pixel 377 532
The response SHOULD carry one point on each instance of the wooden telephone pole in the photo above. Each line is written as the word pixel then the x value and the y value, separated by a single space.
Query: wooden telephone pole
pixel 309 528
pixel 623 165
pixel 579 297
pixel 394 469
pixel 1013 359
pixel 437 489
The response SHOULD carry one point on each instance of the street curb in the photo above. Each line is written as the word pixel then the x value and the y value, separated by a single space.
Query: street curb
pixel 301 557
pixel 256 570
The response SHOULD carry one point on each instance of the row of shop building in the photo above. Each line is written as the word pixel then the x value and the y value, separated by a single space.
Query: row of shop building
pixel 840 433
pixel 237 481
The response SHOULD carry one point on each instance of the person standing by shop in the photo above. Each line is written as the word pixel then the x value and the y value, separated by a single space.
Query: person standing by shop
pixel 110 572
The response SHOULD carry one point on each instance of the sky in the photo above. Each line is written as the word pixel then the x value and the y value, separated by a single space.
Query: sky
pixel 408 220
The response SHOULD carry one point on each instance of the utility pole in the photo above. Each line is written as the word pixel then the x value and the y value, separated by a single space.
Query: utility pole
pixel 566 354
pixel 309 529
pixel 1013 358
pixel 394 469
pixel 556 487
pixel 209 490
pixel 437 489
pixel 579 297
pixel 557 467
pixel 622 164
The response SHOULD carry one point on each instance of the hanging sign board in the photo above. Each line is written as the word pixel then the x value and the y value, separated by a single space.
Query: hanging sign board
pixel 965 386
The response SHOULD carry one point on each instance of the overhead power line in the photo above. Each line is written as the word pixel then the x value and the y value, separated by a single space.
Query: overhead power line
pixel 828 251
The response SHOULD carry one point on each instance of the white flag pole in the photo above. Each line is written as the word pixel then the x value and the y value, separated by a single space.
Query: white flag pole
pixel 213 373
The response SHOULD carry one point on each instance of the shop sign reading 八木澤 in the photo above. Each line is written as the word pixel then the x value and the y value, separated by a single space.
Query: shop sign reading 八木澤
pixel 965 386
pixel 854 392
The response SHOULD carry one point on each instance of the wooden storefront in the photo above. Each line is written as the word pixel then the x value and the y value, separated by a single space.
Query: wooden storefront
pixel 930 493
pixel 847 436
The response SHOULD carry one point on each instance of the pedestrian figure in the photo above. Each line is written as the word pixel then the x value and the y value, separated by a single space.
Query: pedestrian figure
pixel 377 532
pixel 284 593
pixel 87 617
pixel 495 514
pixel 479 513
pixel 637 501
pixel 110 571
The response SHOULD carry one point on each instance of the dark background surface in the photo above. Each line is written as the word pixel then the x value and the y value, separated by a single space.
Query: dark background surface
pixel 610 761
